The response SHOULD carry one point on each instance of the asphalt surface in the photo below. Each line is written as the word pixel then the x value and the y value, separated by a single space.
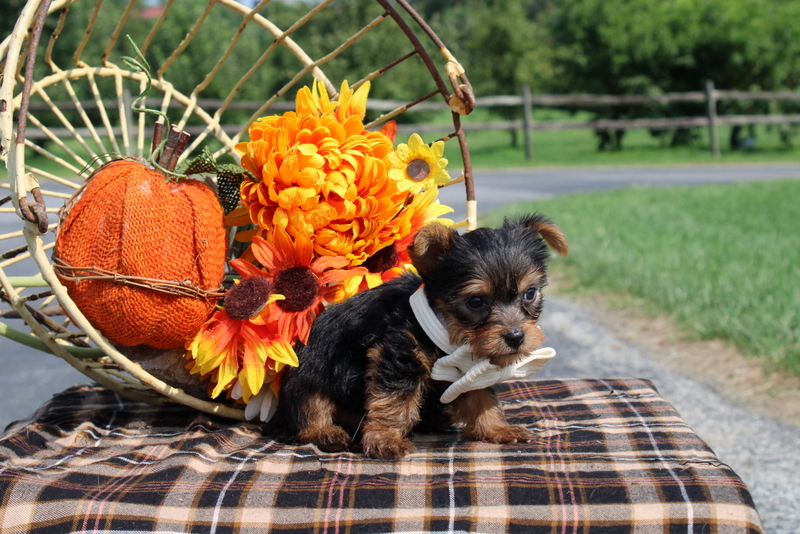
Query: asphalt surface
pixel 764 452
pixel 497 188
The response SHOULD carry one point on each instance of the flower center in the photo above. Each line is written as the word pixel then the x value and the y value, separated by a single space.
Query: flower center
pixel 248 297
pixel 300 287
pixel 383 260
pixel 418 169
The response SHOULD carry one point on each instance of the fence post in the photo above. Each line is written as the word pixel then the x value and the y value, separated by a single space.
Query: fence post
pixel 527 120
pixel 712 118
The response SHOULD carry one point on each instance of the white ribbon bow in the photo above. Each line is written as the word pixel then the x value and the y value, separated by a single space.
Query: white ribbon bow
pixel 460 365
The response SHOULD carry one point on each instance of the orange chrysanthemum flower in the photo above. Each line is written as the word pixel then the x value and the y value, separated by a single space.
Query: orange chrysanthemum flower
pixel 320 173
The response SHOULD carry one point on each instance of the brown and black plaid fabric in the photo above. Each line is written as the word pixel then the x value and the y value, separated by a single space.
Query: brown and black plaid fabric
pixel 612 457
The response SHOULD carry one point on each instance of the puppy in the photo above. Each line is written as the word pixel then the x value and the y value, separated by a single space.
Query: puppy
pixel 370 359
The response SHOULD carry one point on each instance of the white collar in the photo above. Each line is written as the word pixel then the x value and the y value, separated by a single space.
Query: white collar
pixel 460 365
pixel 429 322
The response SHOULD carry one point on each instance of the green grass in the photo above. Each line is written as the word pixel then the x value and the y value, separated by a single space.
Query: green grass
pixel 579 147
pixel 493 149
pixel 722 260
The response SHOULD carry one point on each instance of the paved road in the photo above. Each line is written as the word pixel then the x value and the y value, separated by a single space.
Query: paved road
pixel 765 453
pixel 497 188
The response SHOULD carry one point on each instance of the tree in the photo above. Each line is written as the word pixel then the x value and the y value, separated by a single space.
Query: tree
pixel 639 46
pixel 500 47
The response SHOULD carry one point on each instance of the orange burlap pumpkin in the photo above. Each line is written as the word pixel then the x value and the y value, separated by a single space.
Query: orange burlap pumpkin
pixel 132 221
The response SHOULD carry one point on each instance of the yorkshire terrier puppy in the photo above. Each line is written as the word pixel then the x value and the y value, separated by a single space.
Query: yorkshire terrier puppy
pixel 368 359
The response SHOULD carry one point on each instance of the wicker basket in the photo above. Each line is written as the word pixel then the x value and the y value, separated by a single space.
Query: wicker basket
pixel 29 285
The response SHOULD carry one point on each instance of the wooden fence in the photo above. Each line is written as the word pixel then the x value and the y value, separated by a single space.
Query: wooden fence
pixel 710 96
pixel 711 120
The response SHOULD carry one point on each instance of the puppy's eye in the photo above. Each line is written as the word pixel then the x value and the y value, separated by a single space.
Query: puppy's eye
pixel 529 294
pixel 475 302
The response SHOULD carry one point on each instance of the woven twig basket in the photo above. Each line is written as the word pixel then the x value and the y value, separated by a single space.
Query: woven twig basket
pixel 82 138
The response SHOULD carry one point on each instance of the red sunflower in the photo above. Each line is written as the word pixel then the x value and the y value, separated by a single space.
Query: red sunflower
pixel 305 282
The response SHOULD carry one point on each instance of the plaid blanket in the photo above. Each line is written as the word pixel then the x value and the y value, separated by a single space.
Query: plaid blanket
pixel 611 456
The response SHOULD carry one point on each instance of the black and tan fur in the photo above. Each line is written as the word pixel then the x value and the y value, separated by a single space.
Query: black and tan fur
pixel 368 362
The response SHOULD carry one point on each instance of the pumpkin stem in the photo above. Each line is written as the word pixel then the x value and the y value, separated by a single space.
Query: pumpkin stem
pixel 172 149
pixel 158 136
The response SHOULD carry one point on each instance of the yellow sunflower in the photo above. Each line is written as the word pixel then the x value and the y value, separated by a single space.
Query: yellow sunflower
pixel 417 166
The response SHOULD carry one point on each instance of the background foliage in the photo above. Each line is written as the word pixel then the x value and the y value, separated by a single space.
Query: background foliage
pixel 565 46
pixel 569 46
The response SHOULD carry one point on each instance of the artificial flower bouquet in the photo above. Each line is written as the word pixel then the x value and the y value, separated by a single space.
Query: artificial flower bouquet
pixel 323 207
pixel 331 209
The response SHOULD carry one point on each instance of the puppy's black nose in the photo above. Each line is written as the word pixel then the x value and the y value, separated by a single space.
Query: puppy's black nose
pixel 514 338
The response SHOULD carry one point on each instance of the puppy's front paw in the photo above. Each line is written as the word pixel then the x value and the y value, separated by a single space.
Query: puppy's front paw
pixel 509 434
pixel 387 445
pixel 331 438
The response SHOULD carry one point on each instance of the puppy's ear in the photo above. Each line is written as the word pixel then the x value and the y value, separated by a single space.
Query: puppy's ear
pixel 429 244
pixel 551 233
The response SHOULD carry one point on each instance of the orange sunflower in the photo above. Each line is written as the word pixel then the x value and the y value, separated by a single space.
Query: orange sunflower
pixel 306 282
pixel 240 344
